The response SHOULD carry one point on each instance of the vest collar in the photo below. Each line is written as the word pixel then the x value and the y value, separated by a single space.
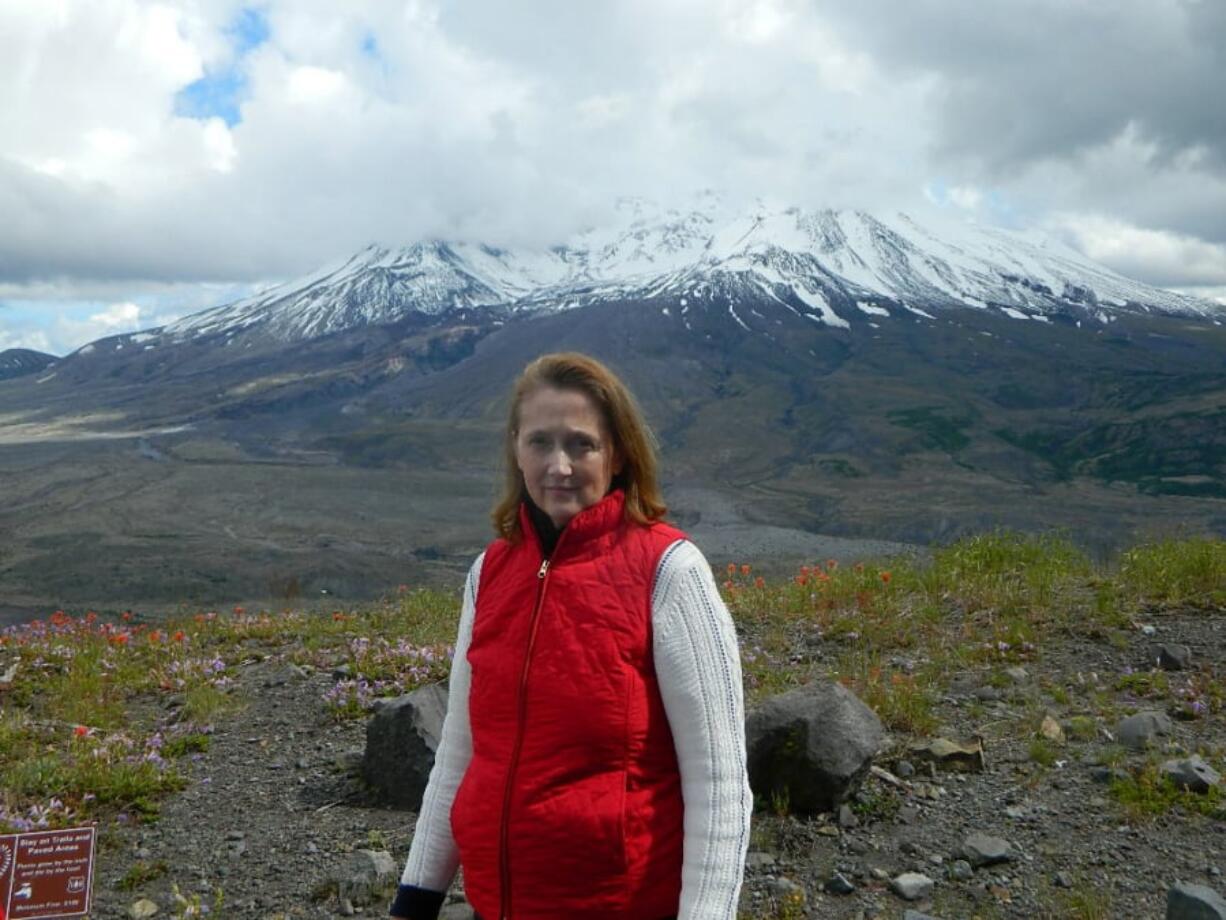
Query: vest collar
pixel 592 522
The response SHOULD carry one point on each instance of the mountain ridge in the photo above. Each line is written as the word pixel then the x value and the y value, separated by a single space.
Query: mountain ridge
pixel 836 267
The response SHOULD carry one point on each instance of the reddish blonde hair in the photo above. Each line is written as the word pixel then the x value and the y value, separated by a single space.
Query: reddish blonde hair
pixel 632 438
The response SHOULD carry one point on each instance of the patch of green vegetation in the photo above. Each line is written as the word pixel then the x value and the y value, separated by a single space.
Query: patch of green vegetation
pixel 1176 454
pixel 141 873
pixel 941 429
pixel 876 805
pixel 1146 793
pixel 1084 901
pixel 1081 728
pixel 1042 752
pixel 1177 571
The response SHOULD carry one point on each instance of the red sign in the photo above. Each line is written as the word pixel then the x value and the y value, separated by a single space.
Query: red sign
pixel 46 875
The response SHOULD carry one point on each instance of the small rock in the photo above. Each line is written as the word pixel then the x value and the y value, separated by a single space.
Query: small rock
pixel 847 817
pixel 1174 657
pixel 1107 775
pixel 142 908
pixel 911 886
pixel 785 888
pixel 905 769
pixel 960 870
pixel 1051 730
pixel 917 915
pixel 982 850
pixel 1063 880
pixel 1192 774
pixel 1194 902
pixel 966 756
pixel 368 875
pixel 759 860
pixel 1017 674
pixel 236 835
pixel 1140 731
pixel 1148 630
pixel 838 884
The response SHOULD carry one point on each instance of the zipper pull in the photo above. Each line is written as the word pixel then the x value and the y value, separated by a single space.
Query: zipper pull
pixel 544 568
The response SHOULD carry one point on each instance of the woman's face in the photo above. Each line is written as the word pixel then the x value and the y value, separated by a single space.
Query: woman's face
pixel 564 451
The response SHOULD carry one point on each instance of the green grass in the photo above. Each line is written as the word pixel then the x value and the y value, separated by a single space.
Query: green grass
pixel 1146 793
pixel 1188 571
pixel 80 736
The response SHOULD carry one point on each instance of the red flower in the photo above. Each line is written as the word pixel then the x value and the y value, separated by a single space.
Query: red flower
pixel 885 577
pixel 759 582
pixel 126 616
pixel 731 568
pixel 239 611
pixel 745 569
pixel 178 636
pixel 831 565
pixel 80 731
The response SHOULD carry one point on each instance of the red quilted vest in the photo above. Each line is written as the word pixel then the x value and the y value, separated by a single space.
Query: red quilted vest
pixel 571 806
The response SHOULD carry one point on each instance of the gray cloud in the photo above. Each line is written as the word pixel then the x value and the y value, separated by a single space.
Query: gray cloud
pixel 519 123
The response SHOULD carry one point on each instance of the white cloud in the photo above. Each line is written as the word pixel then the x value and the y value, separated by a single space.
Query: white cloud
pixel 1161 256
pixel 516 123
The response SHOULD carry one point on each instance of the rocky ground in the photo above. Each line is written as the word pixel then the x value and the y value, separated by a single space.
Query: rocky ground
pixel 275 812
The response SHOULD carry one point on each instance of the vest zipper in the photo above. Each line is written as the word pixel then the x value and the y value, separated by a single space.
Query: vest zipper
pixel 542 575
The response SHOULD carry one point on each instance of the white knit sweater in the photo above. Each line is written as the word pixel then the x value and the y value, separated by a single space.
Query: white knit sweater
pixel 699 672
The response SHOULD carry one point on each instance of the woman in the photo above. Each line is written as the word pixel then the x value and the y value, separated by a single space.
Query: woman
pixel 592 761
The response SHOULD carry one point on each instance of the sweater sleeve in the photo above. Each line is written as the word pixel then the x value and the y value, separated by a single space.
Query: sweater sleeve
pixel 698 667
pixel 433 857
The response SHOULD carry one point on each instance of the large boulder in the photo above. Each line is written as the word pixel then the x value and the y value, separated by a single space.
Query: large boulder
pixel 811 747
pixel 401 740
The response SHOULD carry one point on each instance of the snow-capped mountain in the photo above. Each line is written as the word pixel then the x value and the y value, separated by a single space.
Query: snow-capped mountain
pixel 836 267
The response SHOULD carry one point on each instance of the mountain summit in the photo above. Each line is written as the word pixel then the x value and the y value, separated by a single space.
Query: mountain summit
pixel 835 267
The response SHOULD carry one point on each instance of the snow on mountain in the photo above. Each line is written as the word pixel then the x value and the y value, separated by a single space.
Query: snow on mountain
pixel 807 260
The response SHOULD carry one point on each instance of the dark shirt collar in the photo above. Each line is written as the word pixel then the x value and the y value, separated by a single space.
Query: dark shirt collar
pixel 547 532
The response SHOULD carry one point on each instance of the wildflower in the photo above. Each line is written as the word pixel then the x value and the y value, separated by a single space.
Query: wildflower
pixel 155 637
pixel 119 639
pixel 80 731
pixel 728 585
pixel 759 582
pixel 804 571
pixel 731 569
pixel 337 616
pixel 745 569
pixel 802 579
pixel 239 611
pixel 831 565
pixel 859 566
pixel 126 616
pixel 402 589
pixel 179 636
pixel 885 578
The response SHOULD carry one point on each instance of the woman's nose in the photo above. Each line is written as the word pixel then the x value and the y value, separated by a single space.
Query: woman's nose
pixel 559 463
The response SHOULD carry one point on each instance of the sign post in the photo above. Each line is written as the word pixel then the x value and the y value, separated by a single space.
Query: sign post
pixel 46 875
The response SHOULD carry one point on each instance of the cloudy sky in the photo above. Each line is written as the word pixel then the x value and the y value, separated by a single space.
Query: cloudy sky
pixel 160 157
